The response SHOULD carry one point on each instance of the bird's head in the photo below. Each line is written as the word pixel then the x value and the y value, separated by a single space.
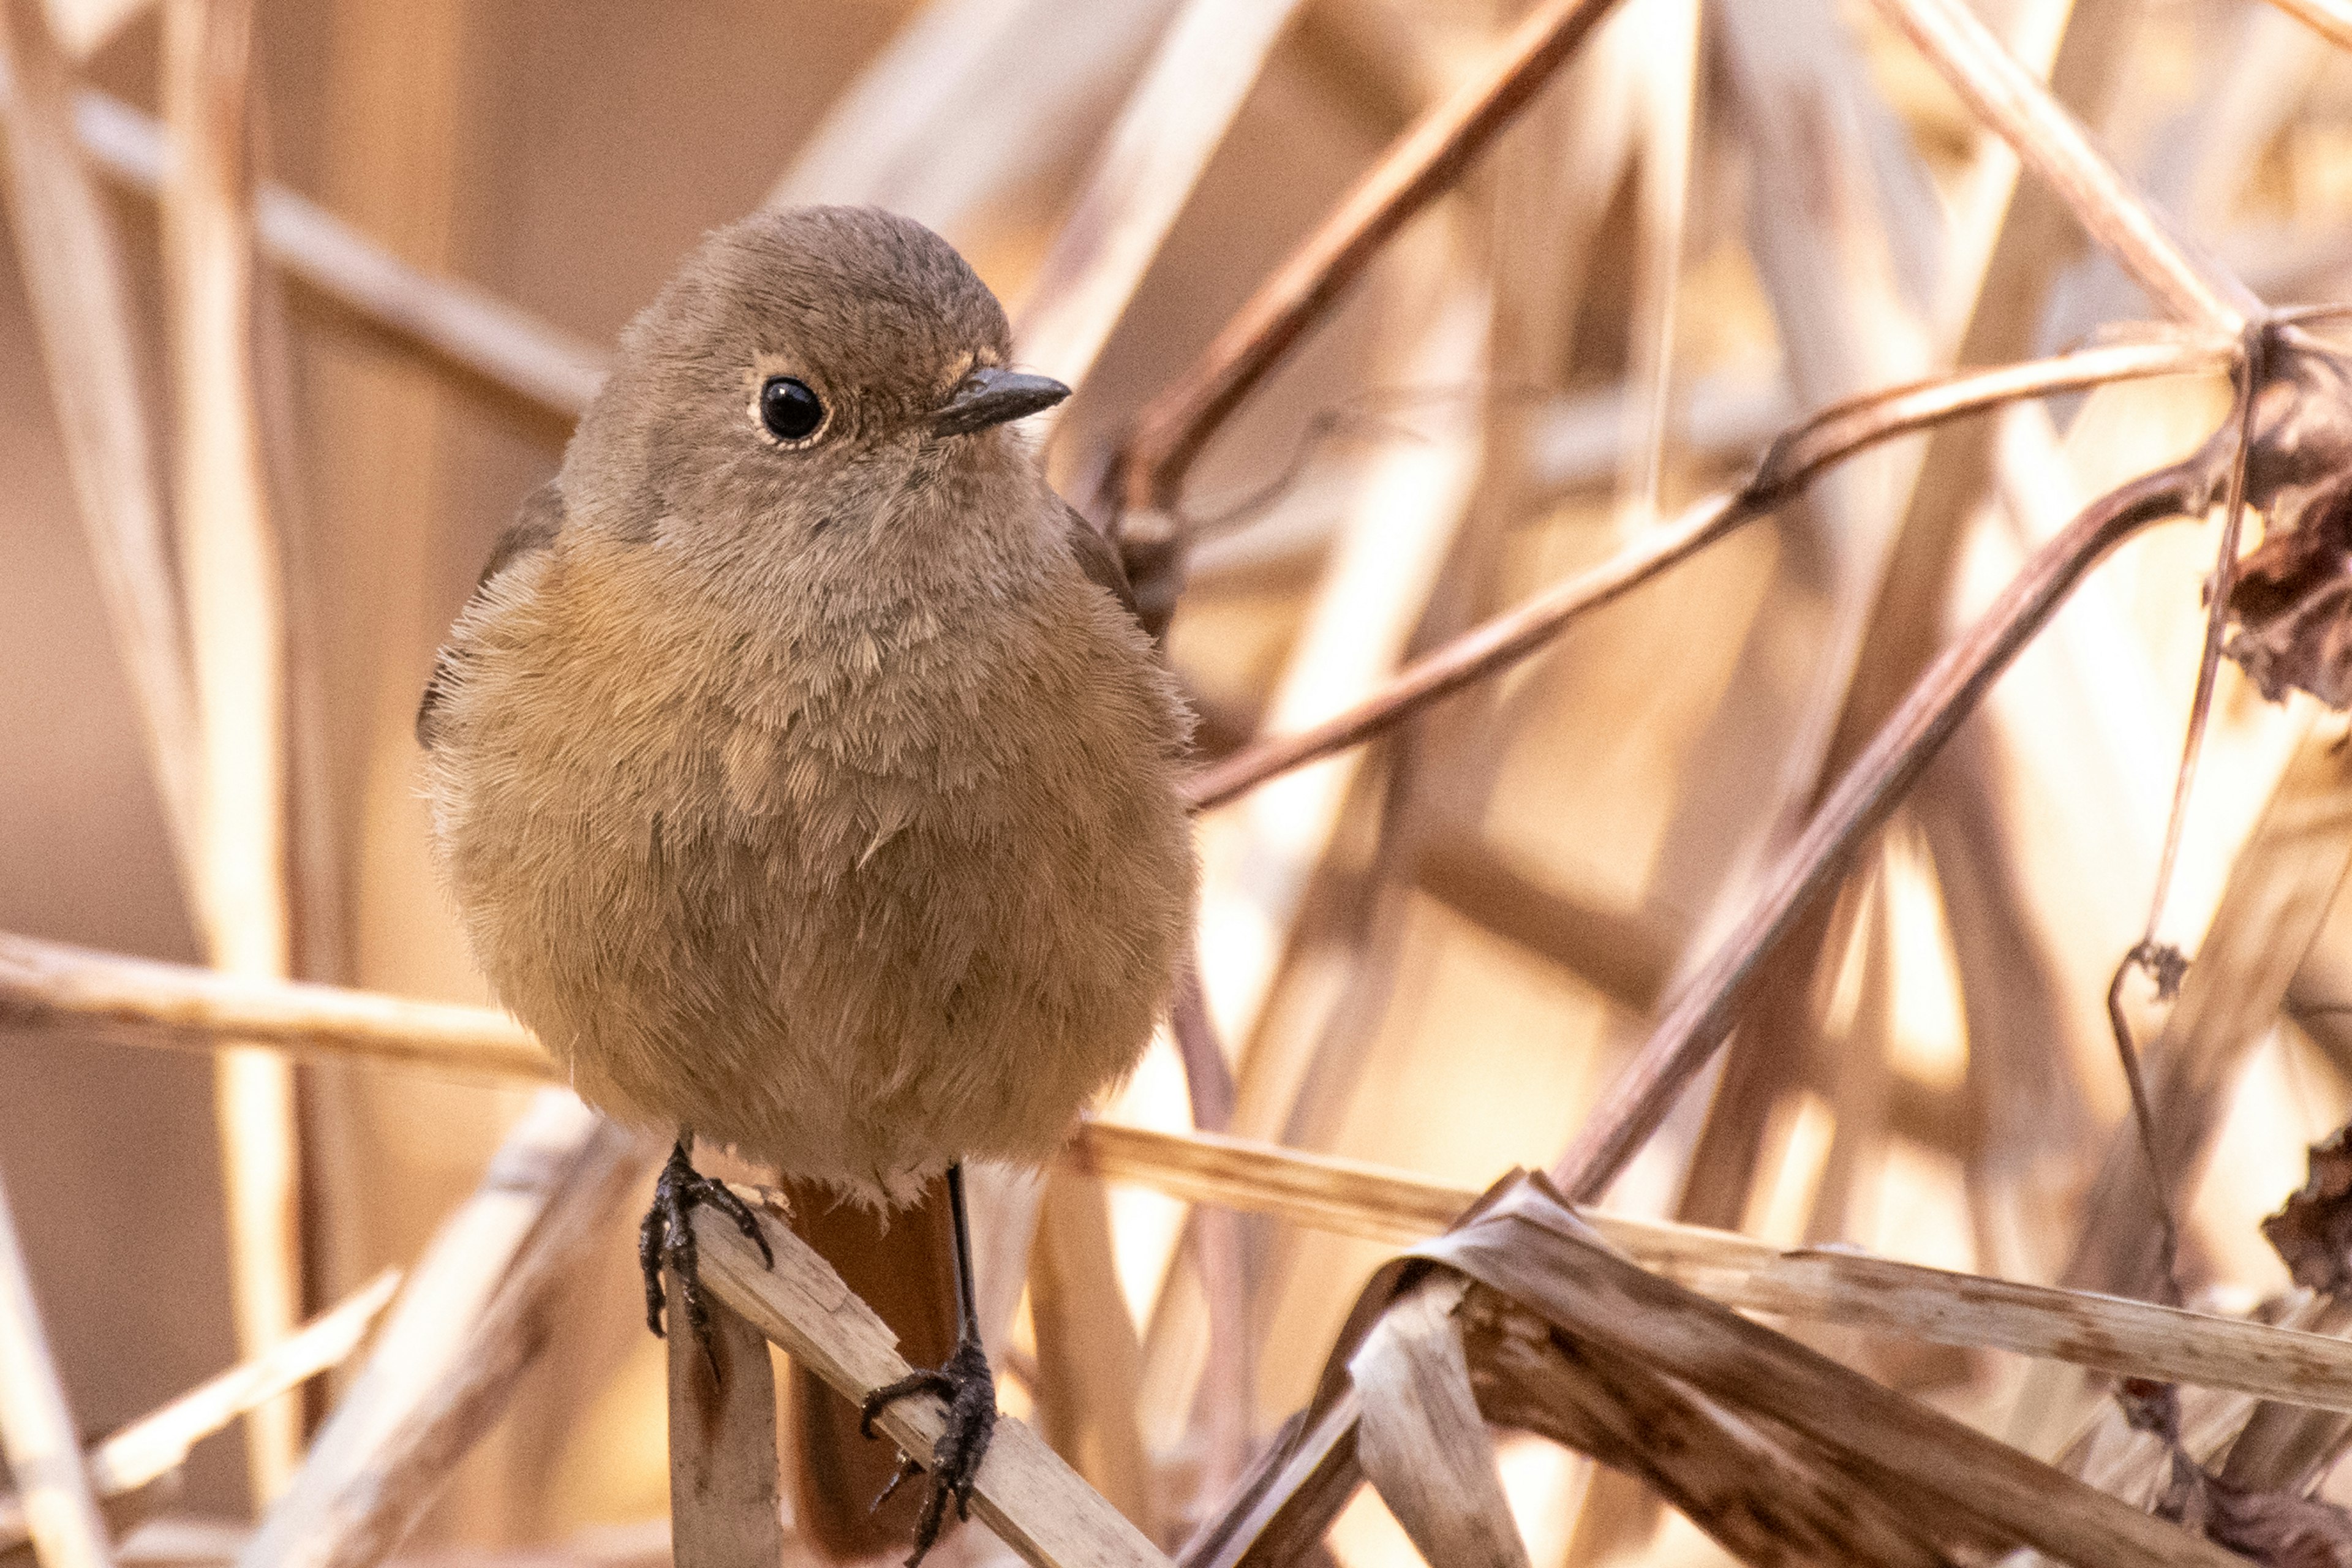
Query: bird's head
pixel 807 368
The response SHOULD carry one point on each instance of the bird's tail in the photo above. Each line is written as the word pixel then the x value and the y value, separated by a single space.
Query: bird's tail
pixel 905 1270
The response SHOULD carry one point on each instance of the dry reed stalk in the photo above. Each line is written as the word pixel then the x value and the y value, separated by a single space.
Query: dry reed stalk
pixel 1421 166
pixel 1828 437
pixel 1089 1366
pixel 1356 1198
pixel 1374 589
pixel 932 128
pixel 153 1003
pixel 155 1444
pixel 400 1477
pixel 1667 95
pixel 1831 1284
pixel 1956 1484
pixel 1624 954
pixel 36 1427
pixel 1029 1498
pixel 723 1508
pixel 73 273
pixel 1687 1037
pixel 2279 890
pixel 1212 55
pixel 434 1335
pixel 450 321
pixel 233 578
pixel 2054 144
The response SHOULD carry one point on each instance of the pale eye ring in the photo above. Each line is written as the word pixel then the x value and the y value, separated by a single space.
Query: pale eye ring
pixel 790 408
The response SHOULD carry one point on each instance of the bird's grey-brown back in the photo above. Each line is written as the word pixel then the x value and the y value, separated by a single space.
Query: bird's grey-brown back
pixel 809 793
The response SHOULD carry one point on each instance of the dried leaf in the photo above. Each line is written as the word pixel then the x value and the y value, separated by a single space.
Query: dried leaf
pixel 2290 594
pixel 2313 1230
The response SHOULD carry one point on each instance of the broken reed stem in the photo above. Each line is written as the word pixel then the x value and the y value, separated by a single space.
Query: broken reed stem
pixel 1702 1018
pixel 2052 143
pixel 36 1427
pixel 1835 433
pixel 1420 166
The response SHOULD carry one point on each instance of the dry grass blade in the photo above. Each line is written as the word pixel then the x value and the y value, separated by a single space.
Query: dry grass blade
pixel 432 1329
pixel 1764 1495
pixel 1422 164
pixel 2054 145
pixel 36 1428
pixel 1212 54
pixel 1795 458
pixel 1531 1248
pixel 723 1508
pixel 1420 1438
pixel 1032 1500
pixel 74 276
pixel 153 1445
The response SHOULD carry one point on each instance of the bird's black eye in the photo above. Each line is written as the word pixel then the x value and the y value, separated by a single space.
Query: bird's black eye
pixel 789 409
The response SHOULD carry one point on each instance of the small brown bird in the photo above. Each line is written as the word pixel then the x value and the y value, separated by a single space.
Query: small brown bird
pixel 798 770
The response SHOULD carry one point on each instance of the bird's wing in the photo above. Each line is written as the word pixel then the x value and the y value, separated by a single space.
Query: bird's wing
pixel 1098 558
pixel 533 530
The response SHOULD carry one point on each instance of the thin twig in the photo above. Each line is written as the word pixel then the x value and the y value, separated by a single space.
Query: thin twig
pixel 1826 437
pixel 2006 98
pixel 1422 164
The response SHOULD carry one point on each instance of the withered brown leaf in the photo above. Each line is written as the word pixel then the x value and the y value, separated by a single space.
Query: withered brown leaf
pixel 2313 1230
pixel 2291 600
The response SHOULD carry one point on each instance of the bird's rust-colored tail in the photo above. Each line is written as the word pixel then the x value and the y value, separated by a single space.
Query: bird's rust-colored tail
pixel 905 1270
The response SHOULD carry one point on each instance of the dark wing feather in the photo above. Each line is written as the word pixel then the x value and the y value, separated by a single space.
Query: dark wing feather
pixel 1098 558
pixel 533 530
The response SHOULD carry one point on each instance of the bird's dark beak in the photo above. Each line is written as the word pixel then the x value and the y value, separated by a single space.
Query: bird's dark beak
pixel 991 396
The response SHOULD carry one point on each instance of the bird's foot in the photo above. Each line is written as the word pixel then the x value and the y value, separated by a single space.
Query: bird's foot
pixel 667 1237
pixel 970 1390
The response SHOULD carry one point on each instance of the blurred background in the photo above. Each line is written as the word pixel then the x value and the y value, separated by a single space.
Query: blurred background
pixel 1430 953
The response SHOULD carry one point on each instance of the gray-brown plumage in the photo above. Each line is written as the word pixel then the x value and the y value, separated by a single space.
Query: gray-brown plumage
pixel 814 793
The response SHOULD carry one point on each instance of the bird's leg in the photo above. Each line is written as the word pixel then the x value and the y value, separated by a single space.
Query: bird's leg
pixel 666 1237
pixel 964 1381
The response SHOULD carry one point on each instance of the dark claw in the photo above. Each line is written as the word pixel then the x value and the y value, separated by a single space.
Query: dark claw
pixel 667 1238
pixel 970 1390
